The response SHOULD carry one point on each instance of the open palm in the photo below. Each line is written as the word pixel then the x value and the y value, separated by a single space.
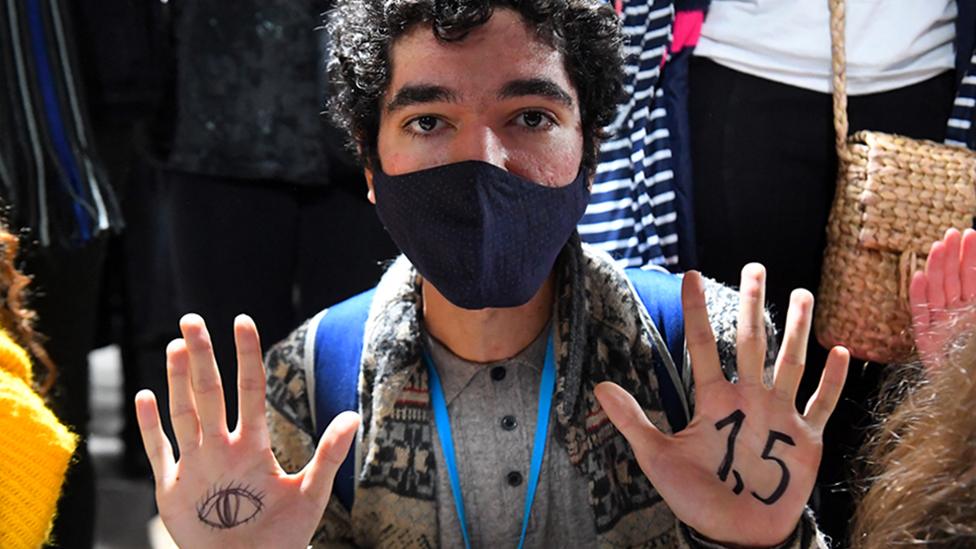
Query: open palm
pixel 946 288
pixel 227 490
pixel 744 468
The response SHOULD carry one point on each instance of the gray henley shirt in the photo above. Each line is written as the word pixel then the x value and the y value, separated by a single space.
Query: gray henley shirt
pixel 493 409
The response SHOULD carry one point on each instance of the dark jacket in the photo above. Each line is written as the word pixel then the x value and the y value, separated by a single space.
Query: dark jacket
pixel 248 90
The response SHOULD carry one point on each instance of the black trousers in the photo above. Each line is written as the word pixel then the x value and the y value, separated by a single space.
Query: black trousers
pixel 65 293
pixel 765 169
pixel 276 251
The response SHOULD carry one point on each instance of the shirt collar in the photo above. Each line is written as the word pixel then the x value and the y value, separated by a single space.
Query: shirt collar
pixel 457 373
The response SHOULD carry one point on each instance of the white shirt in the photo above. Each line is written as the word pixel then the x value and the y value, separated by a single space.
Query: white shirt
pixel 890 43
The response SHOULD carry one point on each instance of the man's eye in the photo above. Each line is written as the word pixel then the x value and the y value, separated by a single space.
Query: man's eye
pixel 534 120
pixel 424 124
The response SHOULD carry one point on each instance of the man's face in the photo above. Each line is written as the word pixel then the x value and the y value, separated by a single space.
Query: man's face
pixel 500 96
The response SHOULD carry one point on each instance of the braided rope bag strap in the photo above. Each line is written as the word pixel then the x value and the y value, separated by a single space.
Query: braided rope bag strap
pixel 895 196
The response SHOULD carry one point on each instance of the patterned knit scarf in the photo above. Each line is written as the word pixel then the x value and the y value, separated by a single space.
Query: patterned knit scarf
pixel 601 335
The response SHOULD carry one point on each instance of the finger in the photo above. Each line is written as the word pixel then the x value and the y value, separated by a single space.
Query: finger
pixel 919 302
pixel 207 388
pixel 824 400
pixel 751 327
pixel 158 449
pixel 952 285
pixel 968 265
pixel 793 354
pixel 250 379
pixel 182 405
pixel 628 417
pixel 705 366
pixel 935 274
pixel 320 473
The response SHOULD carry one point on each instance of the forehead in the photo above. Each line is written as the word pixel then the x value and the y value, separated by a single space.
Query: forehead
pixel 501 50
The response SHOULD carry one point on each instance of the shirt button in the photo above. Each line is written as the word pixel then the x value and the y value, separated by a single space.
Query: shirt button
pixel 509 423
pixel 498 373
pixel 514 478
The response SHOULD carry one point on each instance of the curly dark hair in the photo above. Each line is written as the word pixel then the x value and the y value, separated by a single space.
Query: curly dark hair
pixel 586 33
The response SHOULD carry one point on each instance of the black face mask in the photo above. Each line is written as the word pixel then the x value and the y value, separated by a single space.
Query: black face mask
pixel 482 236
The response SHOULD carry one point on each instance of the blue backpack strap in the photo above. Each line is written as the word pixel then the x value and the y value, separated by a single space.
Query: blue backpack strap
pixel 338 351
pixel 660 292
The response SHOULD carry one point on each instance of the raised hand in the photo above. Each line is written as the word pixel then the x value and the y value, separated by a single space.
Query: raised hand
pixel 941 291
pixel 743 470
pixel 227 490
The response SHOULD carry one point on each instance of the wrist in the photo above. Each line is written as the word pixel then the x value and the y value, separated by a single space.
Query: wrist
pixel 704 542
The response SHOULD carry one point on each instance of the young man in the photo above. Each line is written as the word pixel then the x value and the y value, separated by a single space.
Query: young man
pixel 478 124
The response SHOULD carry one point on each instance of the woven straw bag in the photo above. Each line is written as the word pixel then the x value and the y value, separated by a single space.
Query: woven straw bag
pixel 895 196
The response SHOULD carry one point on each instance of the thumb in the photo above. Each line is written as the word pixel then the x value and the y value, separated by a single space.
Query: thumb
pixel 331 452
pixel 628 417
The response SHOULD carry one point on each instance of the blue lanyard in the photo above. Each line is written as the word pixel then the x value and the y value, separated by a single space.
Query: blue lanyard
pixel 442 419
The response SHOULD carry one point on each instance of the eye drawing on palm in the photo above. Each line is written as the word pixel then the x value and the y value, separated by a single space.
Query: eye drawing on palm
pixel 230 506
pixel 736 419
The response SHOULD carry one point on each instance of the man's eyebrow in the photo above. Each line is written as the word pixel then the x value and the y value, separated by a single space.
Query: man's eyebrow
pixel 536 86
pixel 418 94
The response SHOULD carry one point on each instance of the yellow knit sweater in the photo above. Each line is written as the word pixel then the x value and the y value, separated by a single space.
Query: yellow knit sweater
pixel 35 449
